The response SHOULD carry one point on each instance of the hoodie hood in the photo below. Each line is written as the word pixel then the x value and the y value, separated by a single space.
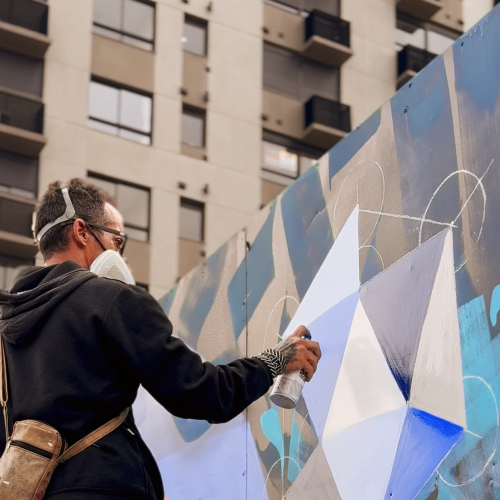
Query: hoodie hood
pixel 35 295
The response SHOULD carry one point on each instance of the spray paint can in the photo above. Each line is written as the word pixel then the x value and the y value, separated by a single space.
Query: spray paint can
pixel 288 388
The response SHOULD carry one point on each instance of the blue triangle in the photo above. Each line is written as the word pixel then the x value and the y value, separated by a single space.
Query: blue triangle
pixel 424 443
pixel 331 330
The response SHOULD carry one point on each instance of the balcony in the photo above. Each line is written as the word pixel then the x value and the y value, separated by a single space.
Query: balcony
pixel 23 27
pixel 410 61
pixel 326 122
pixel 15 226
pixel 321 36
pixel 327 39
pixel 421 9
pixel 21 123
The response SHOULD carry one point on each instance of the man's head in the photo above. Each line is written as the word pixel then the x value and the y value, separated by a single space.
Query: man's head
pixel 78 240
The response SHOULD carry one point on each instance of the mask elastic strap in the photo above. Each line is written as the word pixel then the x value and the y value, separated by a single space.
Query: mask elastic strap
pixel 67 215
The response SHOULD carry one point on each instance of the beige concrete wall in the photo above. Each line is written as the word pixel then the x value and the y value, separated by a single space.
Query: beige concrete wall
pixel 120 62
pixel 234 82
pixel 368 78
pixel 474 10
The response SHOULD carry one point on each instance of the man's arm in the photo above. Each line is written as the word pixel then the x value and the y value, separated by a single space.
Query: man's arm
pixel 175 375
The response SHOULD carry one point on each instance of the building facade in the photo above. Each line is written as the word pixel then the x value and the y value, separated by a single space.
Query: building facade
pixel 193 114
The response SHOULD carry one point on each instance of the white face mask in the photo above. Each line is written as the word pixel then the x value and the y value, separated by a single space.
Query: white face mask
pixel 110 264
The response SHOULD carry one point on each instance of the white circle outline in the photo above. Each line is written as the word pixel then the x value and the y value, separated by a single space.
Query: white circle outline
pixel 480 184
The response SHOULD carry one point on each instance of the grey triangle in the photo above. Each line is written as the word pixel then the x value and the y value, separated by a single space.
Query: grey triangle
pixel 315 480
pixel 396 303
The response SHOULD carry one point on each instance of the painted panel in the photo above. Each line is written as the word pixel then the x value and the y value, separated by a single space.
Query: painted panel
pixel 388 250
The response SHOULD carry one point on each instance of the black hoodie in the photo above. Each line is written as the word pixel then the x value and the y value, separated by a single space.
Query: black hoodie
pixel 79 346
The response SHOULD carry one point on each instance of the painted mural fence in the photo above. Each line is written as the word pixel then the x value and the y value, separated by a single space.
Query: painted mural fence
pixel 388 251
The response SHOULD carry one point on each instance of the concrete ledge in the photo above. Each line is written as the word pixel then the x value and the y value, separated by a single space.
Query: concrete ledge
pixel 421 9
pixel 193 151
pixel 322 136
pixel 18 140
pixel 16 245
pixel 23 41
pixel 325 51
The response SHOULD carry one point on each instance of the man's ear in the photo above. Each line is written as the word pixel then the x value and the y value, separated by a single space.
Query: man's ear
pixel 80 233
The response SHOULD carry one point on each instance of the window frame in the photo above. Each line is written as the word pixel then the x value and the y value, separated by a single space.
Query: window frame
pixel 198 205
pixel 126 33
pixel 193 20
pixel 117 125
pixel 95 175
pixel 293 146
pixel 194 111
pixel 301 83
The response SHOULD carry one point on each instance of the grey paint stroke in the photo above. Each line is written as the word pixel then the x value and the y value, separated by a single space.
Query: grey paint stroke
pixel 315 480
pixel 396 303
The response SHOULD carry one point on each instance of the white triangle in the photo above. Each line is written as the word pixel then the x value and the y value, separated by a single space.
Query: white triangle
pixel 437 385
pixel 361 458
pixel 366 386
pixel 337 278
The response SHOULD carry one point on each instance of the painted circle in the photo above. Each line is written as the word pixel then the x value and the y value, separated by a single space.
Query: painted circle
pixel 479 184
pixel 490 458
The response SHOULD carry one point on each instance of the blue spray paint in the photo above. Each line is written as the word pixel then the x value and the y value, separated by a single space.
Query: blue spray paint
pixel 191 430
pixel 350 145
pixel 200 297
pixel 425 441
pixel 307 228
pixel 495 305
pixel 167 300
pixel 251 279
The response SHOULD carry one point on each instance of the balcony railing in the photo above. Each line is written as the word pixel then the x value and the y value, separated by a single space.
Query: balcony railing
pixel 21 113
pixel 329 113
pixel 413 59
pixel 29 14
pixel 327 26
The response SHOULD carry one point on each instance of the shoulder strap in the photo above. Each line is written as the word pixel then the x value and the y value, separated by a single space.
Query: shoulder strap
pixel 4 391
pixel 91 438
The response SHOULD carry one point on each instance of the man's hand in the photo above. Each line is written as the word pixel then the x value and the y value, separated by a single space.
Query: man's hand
pixel 299 353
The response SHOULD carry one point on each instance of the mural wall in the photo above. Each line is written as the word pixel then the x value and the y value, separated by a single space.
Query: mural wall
pixel 389 251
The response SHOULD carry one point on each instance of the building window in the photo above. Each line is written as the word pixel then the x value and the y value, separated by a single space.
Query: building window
pixel 191 220
pixel 298 77
pixel 195 36
pixel 120 112
pixel 426 36
pixel 132 201
pixel 285 161
pixel 9 268
pixel 21 73
pixel 279 159
pixel 129 21
pixel 193 127
pixel 284 158
pixel 18 174
pixel 16 216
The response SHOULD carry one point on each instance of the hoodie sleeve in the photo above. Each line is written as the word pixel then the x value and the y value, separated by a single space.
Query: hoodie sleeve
pixel 171 372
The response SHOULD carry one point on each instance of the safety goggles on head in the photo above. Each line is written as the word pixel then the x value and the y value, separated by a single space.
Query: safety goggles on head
pixel 69 217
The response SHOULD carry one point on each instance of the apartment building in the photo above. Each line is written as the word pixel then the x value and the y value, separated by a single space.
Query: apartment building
pixel 193 114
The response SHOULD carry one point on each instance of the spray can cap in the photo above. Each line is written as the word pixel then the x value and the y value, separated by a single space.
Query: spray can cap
pixel 307 335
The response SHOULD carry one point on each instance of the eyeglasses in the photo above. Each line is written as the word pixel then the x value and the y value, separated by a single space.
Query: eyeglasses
pixel 120 242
